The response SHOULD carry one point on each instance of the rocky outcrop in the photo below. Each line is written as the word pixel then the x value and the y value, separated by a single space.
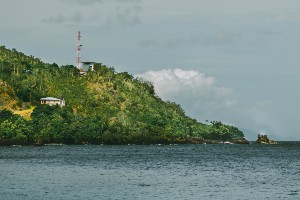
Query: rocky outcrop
pixel 263 139
pixel 241 141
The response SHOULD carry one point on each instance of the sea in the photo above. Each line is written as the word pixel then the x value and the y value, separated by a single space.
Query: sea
pixel 203 171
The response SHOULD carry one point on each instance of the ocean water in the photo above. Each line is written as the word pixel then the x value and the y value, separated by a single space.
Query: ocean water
pixel 151 172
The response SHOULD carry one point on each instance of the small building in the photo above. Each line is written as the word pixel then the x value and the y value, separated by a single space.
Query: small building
pixel 87 66
pixel 53 101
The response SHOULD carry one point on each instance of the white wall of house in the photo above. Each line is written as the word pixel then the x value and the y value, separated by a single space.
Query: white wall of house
pixel 52 101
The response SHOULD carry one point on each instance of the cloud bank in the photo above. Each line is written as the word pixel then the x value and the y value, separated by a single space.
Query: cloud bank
pixel 197 93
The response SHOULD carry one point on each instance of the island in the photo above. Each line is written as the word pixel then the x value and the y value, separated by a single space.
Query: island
pixel 42 103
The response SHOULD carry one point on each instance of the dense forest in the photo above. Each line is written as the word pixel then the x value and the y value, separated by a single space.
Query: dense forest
pixel 102 107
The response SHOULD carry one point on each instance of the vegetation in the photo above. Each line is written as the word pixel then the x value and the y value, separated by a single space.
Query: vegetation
pixel 102 107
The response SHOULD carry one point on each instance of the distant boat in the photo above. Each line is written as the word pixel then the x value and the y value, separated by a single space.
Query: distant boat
pixel 227 142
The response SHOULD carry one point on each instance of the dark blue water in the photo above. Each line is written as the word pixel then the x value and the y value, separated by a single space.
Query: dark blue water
pixel 151 172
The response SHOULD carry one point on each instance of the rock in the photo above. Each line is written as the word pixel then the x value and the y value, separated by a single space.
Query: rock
pixel 241 141
pixel 263 139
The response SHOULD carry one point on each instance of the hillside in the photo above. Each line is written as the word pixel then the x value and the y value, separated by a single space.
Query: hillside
pixel 102 107
pixel 8 98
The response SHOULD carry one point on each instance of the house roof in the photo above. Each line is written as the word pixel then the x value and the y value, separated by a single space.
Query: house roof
pixel 50 99
pixel 88 62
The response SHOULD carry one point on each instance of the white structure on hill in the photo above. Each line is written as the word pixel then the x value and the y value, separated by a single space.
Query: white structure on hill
pixel 51 101
pixel 85 67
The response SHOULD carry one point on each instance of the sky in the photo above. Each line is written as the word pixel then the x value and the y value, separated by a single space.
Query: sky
pixel 234 61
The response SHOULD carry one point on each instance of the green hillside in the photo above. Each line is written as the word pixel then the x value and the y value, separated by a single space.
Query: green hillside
pixel 8 98
pixel 102 107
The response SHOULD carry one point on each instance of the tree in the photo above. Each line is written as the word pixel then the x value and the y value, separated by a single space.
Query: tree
pixel 5 115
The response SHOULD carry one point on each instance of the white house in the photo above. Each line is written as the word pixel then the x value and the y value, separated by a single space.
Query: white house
pixel 53 101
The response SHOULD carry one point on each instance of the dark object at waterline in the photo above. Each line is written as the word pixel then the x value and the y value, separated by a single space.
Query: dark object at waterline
pixel 263 139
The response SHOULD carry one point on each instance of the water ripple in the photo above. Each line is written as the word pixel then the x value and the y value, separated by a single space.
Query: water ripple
pixel 151 172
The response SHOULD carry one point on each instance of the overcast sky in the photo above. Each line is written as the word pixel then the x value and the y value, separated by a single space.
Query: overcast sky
pixel 230 60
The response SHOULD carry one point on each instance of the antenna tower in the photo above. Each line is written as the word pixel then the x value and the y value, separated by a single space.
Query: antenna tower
pixel 78 60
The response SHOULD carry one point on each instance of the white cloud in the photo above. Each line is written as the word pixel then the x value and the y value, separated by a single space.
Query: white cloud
pixel 197 93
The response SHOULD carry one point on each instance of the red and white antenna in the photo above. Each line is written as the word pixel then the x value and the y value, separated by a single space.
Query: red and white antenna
pixel 78 51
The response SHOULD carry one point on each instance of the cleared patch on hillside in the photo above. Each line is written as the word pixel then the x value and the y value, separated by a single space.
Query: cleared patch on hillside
pixel 25 113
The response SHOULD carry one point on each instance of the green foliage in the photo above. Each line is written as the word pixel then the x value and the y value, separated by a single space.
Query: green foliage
pixel 5 115
pixel 102 107
pixel 14 130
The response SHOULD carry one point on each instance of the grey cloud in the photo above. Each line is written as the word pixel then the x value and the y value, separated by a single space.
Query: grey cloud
pixel 118 12
pixel 260 113
pixel 128 16
pixel 128 1
pixel 168 43
pixel 92 2
pixel 58 19
pixel 76 18
pixel 221 38
pixel 83 2
pixel 215 39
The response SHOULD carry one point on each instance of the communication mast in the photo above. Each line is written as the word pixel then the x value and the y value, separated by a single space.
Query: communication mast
pixel 78 51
